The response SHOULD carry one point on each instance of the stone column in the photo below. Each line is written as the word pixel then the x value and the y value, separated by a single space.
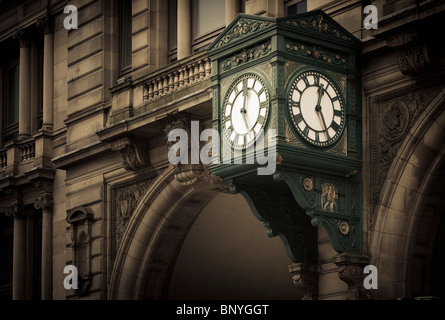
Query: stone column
pixel 48 74
pixel 19 253
pixel 45 202
pixel 28 215
pixel 184 29
pixel 24 85
pixel 305 278
pixel 232 10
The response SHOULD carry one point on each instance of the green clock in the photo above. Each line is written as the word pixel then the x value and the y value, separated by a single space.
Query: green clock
pixel 316 108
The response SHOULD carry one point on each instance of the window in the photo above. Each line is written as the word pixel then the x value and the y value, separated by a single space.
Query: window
pixel 125 19
pixel 38 82
pixel 295 6
pixel 173 30
pixel 10 101
pixel 208 22
pixel 6 247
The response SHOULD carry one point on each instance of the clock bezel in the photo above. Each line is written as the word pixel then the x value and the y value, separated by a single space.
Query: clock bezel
pixel 223 117
pixel 293 80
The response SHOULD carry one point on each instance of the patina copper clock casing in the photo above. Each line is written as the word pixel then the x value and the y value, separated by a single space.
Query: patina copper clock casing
pixel 309 67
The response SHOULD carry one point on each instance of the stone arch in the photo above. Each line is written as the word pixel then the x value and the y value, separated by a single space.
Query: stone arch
pixel 156 230
pixel 402 199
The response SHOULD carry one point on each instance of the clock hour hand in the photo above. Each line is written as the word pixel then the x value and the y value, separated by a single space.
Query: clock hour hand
pixel 244 115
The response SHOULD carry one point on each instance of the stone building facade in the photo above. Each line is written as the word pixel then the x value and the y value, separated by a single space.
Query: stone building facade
pixel 85 178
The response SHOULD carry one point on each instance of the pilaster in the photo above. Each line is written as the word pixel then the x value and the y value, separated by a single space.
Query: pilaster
pixel 24 84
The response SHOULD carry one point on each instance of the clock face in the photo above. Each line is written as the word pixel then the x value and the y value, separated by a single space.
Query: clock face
pixel 316 108
pixel 245 111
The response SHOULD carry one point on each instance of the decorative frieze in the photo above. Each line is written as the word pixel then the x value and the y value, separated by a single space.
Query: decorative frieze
pixel 320 25
pixel 125 201
pixel 246 56
pixel 242 28
pixel 316 52
pixel 391 121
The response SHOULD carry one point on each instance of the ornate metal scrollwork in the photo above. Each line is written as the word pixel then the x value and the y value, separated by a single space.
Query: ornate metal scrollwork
pixel 330 204
pixel 282 217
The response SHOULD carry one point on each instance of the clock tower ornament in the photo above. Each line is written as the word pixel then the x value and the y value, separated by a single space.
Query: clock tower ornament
pixel 297 76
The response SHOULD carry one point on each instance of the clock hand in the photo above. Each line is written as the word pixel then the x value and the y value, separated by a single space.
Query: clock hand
pixel 318 108
pixel 245 93
pixel 246 122
pixel 324 124
pixel 243 109
pixel 320 93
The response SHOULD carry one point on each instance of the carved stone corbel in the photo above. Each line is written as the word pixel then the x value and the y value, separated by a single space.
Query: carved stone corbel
pixel 190 174
pixel 45 199
pixel 413 54
pixel 350 270
pixel 134 152
pixel 305 278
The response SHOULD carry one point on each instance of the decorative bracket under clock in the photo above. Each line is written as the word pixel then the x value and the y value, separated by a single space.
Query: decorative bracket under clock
pixel 283 217
pixel 330 202
pixel 292 211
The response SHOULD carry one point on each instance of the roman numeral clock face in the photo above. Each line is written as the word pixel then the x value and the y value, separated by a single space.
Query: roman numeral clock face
pixel 245 111
pixel 316 108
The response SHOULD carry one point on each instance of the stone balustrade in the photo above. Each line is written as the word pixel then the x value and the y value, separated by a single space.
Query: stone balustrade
pixel 27 151
pixel 3 159
pixel 176 77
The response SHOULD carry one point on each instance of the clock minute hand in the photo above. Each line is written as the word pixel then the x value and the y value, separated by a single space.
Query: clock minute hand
pixel 318 108
pixel 324 124
pixel 246 122
pixel 243 109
